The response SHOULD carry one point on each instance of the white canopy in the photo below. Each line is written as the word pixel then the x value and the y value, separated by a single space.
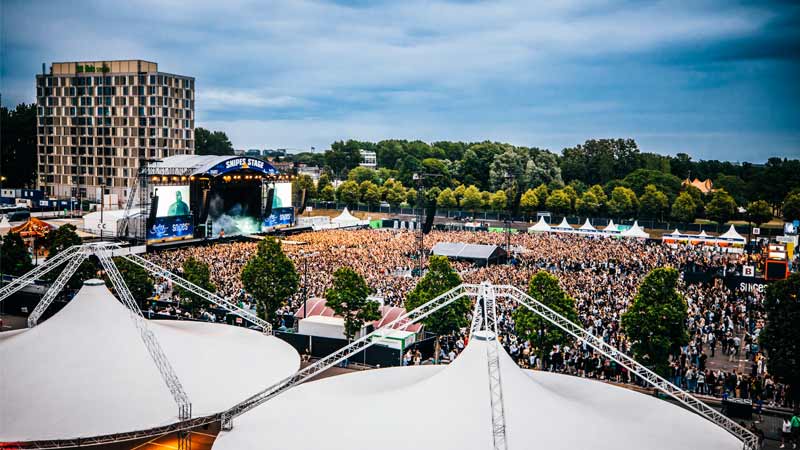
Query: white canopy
pixel 675 233
pixel 733 235
pixel 635 231
pixel 85 371
pixel 449 408
pixel 587 226
pixel 5 225
pixel 564 225
pixel 611 227
pixel 539 226
pixel 345 219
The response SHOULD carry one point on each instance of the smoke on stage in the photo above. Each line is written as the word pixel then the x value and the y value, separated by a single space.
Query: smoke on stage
pixel 234 221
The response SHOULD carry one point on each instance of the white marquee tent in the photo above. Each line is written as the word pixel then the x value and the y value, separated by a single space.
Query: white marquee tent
pixel 564 226
pixel 85 371
pixel 635 231
pixel 587 227
pixel 540 226
pixel 611 227
pixel 448 407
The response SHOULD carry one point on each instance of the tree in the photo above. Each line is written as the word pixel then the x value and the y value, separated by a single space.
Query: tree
pixel 348 193
pixel 447 199
pixel 541 168
pixel 559 202
pixel 304 182
pixel 328 193
pixel 411 196
pixel 721 207
pixel 684 208
pixel 361 174
pixel 18 149
pixel 395 193
pixel 439 279
pixel 653 203
pixel 759 212
pixel 472 199
pixel 324 180
pixel 369 193
pixel 211 142
pixel 14 257
pixel 529 203
pixel 781 335
pixel 499 201
pixel 791 206
pixel 344 156
pixel 542 192
pixel 136 278
pixel 623 202
pixel 656 319
pixel 270 277
pixel 587 204
pixel 544 287
pixel 348 298
pixel 197 272
pixel 61 239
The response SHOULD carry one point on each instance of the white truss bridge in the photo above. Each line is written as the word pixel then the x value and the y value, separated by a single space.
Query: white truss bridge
pixel 484 321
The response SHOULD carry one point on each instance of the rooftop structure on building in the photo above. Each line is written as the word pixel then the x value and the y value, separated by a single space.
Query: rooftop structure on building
pixel 98 120
pixel 705 186
pixel 369 159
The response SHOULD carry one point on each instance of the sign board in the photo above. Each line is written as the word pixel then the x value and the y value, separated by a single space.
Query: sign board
pixel 749 271
pixel 170 229
pixel 746 284
pixel 787 239
pixel 756 231
pixel 279 217
pixel 243 164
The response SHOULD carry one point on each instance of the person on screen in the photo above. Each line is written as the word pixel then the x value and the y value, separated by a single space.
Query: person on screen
pixel 179 208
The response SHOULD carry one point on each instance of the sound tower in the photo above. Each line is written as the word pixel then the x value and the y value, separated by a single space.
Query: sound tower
pixel 430 212
pixel 270 198
pixel 153 205
pixel 302 202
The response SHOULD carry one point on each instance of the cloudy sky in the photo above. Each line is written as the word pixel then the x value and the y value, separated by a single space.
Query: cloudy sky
pixel 714 79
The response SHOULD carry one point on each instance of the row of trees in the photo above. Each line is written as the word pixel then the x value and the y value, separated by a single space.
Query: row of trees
pixel 492 166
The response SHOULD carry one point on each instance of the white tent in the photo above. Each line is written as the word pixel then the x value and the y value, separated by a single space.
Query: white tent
pixel 587 227
pixel 635 231
pixel 93 223
pixel 702 234
pixel 540 226
pixel 345 219
pixel 563 226
pixel 733 235
pixel 449 408
pixel 611 227
pixel 85 371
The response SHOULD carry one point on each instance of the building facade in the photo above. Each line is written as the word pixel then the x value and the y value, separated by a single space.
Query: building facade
pixel 99 120
pixel 369 159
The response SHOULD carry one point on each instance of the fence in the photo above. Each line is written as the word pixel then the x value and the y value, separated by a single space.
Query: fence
pixel 497 216
pixel 320 347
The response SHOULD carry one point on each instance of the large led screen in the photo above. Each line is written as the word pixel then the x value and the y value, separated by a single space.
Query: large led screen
pixel 173 201
pixel 283 195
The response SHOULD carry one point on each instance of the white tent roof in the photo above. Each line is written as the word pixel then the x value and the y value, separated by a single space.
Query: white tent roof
pixel 541 225
pixel 345 218
pixel 587 226
pixel 675 233
pixel 635 231
pixel 702 234
pixel 448 408
pixel 611 227
pixel 733 234
pixel 85 371
pixel 5 225
pixel 564 225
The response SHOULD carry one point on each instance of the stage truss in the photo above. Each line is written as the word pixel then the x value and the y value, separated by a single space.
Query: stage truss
pixel 484 318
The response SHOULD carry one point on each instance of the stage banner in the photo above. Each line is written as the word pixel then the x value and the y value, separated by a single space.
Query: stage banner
pixel 243 164
pixel 171 228
pixel 280 217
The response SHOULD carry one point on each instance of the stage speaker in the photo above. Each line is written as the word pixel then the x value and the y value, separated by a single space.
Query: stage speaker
pixel 302 202
pixel 430 213
pixel 270 198
pixel 204 206
pixel 153 206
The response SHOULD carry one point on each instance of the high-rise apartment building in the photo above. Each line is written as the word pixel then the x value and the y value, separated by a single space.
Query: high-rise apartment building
pixel 99 120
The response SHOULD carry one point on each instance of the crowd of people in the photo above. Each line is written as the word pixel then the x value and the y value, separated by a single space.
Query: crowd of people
pixel 601 274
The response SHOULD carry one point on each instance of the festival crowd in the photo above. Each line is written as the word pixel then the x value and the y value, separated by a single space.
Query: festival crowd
pixel 601 274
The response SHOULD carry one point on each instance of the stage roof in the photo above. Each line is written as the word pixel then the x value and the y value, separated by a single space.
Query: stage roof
pixel 461 250
pixel 214 164
pixel 448 408
pixel 85 371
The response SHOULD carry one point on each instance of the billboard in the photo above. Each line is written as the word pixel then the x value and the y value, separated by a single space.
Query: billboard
pixel 280 217
pixel 173 201
pixel 283 195
pixel 170 229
